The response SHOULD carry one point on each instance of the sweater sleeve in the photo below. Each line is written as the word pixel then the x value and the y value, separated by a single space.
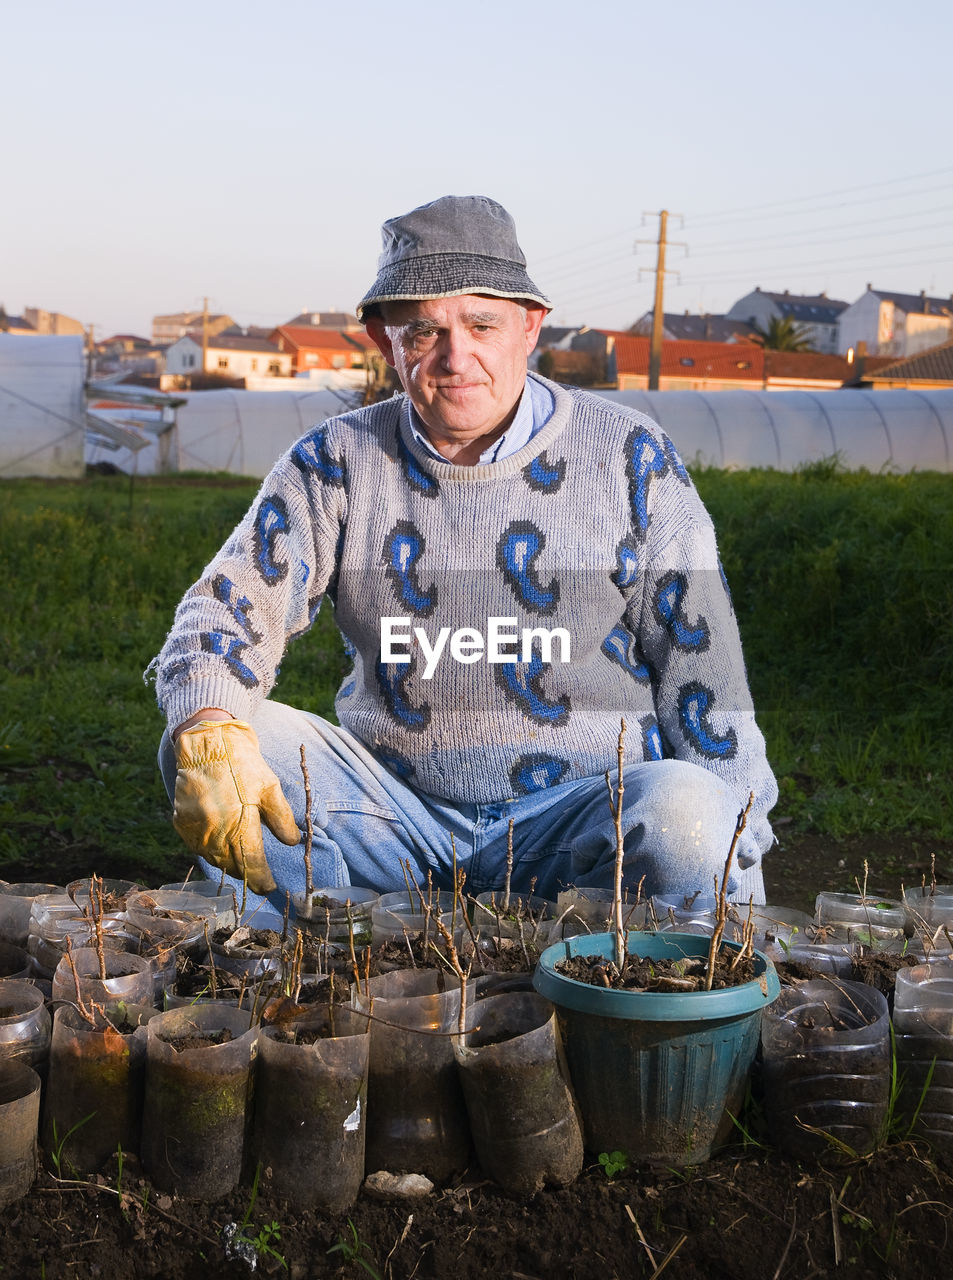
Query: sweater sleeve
pixel 689 636
pixel 262 589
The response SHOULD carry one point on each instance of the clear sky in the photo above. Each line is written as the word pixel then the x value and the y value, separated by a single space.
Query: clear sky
pixel 151 155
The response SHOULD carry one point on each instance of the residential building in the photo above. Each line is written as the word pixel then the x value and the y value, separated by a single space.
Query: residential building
pixel 230 355
pixel 52 322
pixel 312 347
pixel 895 324
pixel 686 366
pixel 578 356
pixel 166 329
pixel 15 324
pixel 129 353
pixel 694 328
pixel 812 371
pixel 817 315
pixel 341 320
pixel 932 368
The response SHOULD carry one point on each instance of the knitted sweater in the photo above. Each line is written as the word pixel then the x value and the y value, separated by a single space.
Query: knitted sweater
pixel 502 618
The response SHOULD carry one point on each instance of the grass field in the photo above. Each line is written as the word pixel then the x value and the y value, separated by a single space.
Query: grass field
pixel 842 584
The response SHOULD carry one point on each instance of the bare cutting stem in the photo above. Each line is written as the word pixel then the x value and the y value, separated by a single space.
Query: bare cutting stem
pixel 615 808
pixel 308 832
pixel 453 956
pixel 721 905
pixel 509 866
pixel 96 901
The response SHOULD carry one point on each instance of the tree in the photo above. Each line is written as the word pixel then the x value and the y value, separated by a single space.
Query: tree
pixel 783 335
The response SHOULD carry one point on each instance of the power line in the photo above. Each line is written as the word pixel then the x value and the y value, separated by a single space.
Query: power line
pixel 703 218
pixel 823 195
pixel 716 245
pixel 790 265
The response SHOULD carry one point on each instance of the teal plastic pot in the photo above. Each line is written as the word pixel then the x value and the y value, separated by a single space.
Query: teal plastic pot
pixel 657 1076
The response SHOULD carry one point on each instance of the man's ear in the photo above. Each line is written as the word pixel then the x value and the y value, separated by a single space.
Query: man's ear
pixel 378 333
pixel 535 315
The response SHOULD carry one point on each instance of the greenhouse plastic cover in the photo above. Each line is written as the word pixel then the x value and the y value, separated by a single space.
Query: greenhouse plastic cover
pixel 241 432
pixel 245 431
pixel 877 430
pixel 42 406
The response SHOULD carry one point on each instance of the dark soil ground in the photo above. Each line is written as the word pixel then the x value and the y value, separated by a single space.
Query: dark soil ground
pixel 747 1213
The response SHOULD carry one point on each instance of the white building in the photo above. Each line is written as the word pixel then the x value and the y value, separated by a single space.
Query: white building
pixel 816 314
pixel 231 355
pixel 895 324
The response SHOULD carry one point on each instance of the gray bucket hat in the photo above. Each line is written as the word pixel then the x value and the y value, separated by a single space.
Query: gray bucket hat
pixel 452 246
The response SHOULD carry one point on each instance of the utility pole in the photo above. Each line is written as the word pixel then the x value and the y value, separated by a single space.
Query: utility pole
pixel 658 307
pixel 204 334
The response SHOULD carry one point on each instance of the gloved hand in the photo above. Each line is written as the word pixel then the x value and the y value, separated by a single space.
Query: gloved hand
pixel 223 791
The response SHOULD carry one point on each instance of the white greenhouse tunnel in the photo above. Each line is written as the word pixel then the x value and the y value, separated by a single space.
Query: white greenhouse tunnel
pixel 873 430
pixel 50 425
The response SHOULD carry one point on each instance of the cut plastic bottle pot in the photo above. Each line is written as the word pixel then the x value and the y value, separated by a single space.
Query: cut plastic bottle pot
pixel 19 1117
pixel 523 1114
pixel 199 1088
pixel 311 1108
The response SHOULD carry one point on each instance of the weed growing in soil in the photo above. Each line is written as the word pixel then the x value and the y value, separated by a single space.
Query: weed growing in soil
pixel 613 1162
pixel 57 1159
pixel 240 1243
pixel 352 1251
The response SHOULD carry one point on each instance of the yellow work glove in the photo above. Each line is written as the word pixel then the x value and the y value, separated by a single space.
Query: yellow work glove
pixel 223 792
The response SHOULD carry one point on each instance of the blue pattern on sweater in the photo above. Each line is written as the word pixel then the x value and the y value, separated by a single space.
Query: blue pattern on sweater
pixel 225 590
pixel 402 550
pixel 669 605
pixel 231 648
pixel 619 645
pixel 271 520
pixel 392 678
pixel 311 454
pixel 516 551
pixel 695 704
pixel 522 682
pixel 536 773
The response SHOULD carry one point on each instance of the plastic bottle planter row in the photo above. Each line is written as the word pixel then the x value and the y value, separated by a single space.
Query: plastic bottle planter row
pixel 16 903
pixel 523 1114
pixel 826 1064
pixel 311 1108
pixel 933 905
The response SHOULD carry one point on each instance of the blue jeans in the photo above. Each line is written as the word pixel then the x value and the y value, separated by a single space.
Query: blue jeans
pixel 678 820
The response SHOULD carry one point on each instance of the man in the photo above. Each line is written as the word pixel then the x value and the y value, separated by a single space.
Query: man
pixel 515 567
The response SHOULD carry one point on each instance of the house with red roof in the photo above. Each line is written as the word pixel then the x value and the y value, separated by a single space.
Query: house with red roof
pixel 311 347
pixel 686 366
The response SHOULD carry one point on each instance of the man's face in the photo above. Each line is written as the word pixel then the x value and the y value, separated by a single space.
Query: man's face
pixel 462 361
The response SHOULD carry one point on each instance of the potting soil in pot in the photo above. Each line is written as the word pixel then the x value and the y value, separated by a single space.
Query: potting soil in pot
pixel 826 1059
